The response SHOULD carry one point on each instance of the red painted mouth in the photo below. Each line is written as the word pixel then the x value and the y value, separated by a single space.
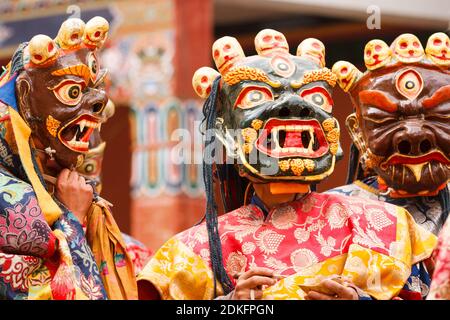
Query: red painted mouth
pixel 410 56
pixel 401 159
pixel 373 64
pixel 443 57
pixel 292 138
pixel 227 59
pixel 77 133
pixel 275 46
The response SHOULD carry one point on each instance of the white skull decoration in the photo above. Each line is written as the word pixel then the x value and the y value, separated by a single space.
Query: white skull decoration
pixel 438 49
pixel 71 33
pixel 202 81
pixel 312 49
pixel 269 41
pixel 407 48
pixel 347 74
pixel 41 49
pixel 96 32
pixel 226 52
pixel 376 54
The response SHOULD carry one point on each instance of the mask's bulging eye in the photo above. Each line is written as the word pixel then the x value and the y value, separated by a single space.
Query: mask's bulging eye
pixel 93 66
pixel 319 97
pixel 251 97
pixel 69 92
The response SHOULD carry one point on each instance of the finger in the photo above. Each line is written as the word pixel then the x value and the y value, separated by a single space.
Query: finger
pixel 314 295
pixel 63 176
pixel 258 271
pixel 257 281
pixel 73 176
pixel 81 181
pixel 257 294
pixel 339 289
pixel 245 294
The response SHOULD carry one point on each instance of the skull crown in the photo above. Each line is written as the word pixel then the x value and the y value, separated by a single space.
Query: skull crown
pixel 73 34
pixel 227 53
pixel 405 49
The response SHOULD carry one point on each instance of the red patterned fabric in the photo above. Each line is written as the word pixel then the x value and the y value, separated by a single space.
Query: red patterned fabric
pixel 440 283
pixel 138 252
pixel 309 231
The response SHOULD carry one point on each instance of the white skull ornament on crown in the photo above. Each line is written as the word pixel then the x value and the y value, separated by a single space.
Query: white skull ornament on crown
pixel 96 32
pixel 42 49
pixel 407 48
pixel 269 41
pixel 71 33
pixel 438 49
pixel 313 48
pixel 226 52
pixel 347 74
pixel 376 54
pixel 202 81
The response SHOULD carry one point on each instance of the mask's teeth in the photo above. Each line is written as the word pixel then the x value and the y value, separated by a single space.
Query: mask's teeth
pixel 276 141
pixel 82 124
pixel 416 169
pixel 311 140
pixel 75 135
pixel 99 127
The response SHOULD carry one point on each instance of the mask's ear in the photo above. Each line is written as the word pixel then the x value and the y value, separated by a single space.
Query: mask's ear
pixel 23 89
pixel 367 159
pixel 355 132
pixel 224 135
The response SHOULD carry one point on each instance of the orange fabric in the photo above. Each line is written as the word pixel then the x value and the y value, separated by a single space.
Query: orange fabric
pixel 111 256
pixel 287 188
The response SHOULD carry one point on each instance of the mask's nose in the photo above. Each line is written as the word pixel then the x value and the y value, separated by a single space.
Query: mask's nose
pixel 96 101
pixel 414 140
pixel 293 106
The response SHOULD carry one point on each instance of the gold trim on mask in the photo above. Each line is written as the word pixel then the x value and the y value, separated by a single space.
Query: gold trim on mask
pixel 328 124
pixel 52 125
pixel 299 178
pixel 257 124
pixel 238 74
pixel 323 74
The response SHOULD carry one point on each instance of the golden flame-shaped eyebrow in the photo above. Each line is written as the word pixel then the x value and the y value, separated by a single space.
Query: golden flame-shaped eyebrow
pixel 238 74
pixel 323 74
pixel 80 70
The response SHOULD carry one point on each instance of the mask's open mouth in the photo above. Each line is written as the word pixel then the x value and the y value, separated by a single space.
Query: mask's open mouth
pixel 77 133
pixel 292 138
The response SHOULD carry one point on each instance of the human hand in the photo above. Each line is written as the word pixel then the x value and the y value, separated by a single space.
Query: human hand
pixel 73 191
pixel 250 284
pixel 333 290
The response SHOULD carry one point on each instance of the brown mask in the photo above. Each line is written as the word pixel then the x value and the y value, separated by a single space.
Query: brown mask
pixel 60 90
pixel 402 106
